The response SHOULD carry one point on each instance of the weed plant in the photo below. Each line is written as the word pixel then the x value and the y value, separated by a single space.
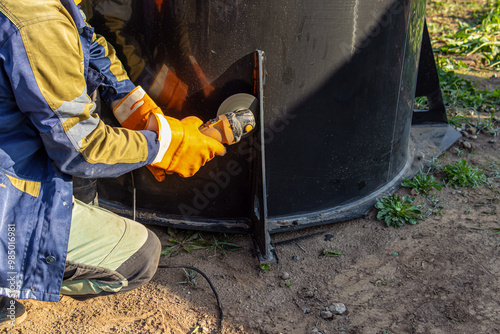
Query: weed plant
pixel 488 125
pixel 192 241
pixel 177 243
pixel 191 277
pixel 431 206
pixel 331 252
pixel 398 210
pixel 433 165
pixel 461 174
pixel 422 183
pixel 496 233
pixel 265 266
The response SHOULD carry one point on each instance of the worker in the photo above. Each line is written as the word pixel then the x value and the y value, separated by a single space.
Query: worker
pixel 51 64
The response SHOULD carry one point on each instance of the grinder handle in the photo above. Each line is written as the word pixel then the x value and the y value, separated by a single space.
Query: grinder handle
pixel 219 129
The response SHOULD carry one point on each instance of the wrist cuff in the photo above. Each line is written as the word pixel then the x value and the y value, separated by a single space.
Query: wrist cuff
pixel 130 103
pixel 159 124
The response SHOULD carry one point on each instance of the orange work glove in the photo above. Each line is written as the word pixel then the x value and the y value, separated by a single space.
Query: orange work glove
pixel 189 149
pixel 183 148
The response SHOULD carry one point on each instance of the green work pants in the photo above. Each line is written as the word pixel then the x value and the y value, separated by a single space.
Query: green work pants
pixel 107 253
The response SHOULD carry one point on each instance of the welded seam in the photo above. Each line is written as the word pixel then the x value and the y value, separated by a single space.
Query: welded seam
pixel 399 93
pixel 354 27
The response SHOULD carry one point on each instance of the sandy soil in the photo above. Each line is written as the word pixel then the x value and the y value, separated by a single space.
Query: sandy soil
pixel 443 279
pixel 440 276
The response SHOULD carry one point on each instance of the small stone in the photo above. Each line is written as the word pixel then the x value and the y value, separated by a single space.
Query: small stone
pixel 473 137
pixel 472 130
pixel 309 293
pixel 492 141
pixel 326 314
pixel 337 308
pixel 467 145
pixel 295 258
pixel 464 133
pixel 285 275
pixel 492 110
pixel 202 323
pixel 496 118
pixel 306 310
pixel 315 331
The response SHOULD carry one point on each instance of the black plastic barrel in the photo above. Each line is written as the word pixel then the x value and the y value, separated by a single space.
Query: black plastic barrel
pixel 336 82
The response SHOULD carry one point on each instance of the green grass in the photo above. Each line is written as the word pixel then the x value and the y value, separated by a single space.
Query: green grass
pixel 422 183
pixel 496 233
pixel 265 266
pixel 461 174
pixel 431 206
pixel 223 248
pixel 190 278
pixel 432 164
pixel 331 252
pixel 398 210
pixel 189 241
pixel 381 282
pixel 178 242
pixel 493 171
pixel 464 101
pixel 466 37
pixel 475 30
pixel 460 93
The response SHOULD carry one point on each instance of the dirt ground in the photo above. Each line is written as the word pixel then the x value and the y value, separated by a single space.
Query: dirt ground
pixel 439 276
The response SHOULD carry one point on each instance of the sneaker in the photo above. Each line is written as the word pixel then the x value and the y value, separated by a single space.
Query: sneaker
pixel 12 312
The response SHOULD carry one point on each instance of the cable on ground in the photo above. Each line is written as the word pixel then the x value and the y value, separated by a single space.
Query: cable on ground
pixel 221 314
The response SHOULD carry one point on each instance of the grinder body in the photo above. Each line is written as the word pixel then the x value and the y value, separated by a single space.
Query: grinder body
pixel 229 128
pixel 235 120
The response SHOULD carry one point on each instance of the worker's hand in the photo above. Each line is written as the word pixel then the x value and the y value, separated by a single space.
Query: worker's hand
pixel 183 148
pixel 189 149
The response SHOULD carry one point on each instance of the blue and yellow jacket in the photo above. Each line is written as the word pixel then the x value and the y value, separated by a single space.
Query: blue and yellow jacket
pixel 50 63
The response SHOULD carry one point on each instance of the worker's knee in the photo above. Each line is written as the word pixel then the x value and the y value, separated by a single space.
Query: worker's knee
pixel 142 265
pixel 136 251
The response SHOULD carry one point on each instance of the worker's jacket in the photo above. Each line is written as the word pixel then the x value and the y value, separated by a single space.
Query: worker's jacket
pixel 50 63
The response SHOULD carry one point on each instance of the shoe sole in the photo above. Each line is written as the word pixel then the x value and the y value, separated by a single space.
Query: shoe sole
pixel 17 321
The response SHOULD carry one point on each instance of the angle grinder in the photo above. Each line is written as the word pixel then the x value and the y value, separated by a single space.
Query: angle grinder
pixel 235 119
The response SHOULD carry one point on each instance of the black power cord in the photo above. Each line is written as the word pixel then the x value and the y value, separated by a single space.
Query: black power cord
pixel 221 314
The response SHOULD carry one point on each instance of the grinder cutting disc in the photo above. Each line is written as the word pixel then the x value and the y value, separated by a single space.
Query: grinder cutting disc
pixel 238 102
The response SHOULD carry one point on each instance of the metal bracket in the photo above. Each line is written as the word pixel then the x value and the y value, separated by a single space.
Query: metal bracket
pixel 428 85
pixel 259 216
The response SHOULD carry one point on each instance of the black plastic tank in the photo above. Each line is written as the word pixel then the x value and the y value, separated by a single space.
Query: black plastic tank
pixel 335 83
